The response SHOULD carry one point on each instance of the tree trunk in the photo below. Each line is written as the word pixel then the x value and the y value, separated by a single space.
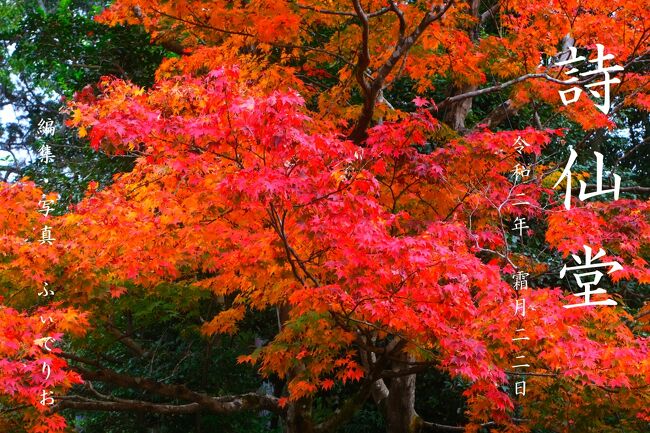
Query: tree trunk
pixel 456 113
pixel 400 403
pixel 298 419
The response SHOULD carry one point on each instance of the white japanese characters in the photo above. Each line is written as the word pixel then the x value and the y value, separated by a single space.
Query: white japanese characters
pixel 606 82
pixel 46 128
pixel 520 173
pixel 45 154
pixel 566 174
pixel 586 280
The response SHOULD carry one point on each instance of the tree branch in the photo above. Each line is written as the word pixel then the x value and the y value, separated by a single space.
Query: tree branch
pixel 502 86
pixel 490 11
pixel 364 50
pixel 441 428
pixel 340 13
pixel 498 115
pixel 400 17
pixel 507 108
pixel 634 149
pixel 127 341
pixel 223 404
pixel 353 404
pixel 80 403
pixel 203 25
pixel 404 44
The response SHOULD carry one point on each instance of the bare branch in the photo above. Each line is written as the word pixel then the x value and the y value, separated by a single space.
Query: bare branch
pixel 490 12
pixel 634 149
pixel 507 108
pixel 203 25
pixel 14 408
pixel 441 428
pixel 504 85
pixel 80 403
pixel 406 44
pixel 324 11
pixel 498 115
pixel 434 427
pixel 222 404
pixel 127 341
pixel 400 17
pixel 340 13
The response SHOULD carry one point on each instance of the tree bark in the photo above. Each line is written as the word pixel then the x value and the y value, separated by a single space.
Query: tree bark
pixel 499 114
pixel 400 403
pixel 298 419
pixel 371 87
pixel 298 416
pixel 456 113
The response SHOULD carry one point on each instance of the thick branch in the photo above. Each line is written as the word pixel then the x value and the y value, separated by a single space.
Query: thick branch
pixel 441 428
pixel 400 17
pixel 490 12
pixel 386 374
pixel 633 150
pixel 499 114
pixel 371 91
pixel 507 108
pixel 353 404
pixel 11 169
pixel 172 46
pixel 127 341
pixel 223 404
pixel 346 411
pixel 501 86
pixel 121 406
pixel 364 50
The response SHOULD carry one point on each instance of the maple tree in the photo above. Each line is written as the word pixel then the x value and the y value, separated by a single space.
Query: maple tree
pixel 278 170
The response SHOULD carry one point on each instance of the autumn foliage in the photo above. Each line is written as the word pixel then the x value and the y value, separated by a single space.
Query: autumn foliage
pixel 384 249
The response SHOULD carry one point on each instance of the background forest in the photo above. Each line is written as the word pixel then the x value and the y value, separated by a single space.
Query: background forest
pixel 295 216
